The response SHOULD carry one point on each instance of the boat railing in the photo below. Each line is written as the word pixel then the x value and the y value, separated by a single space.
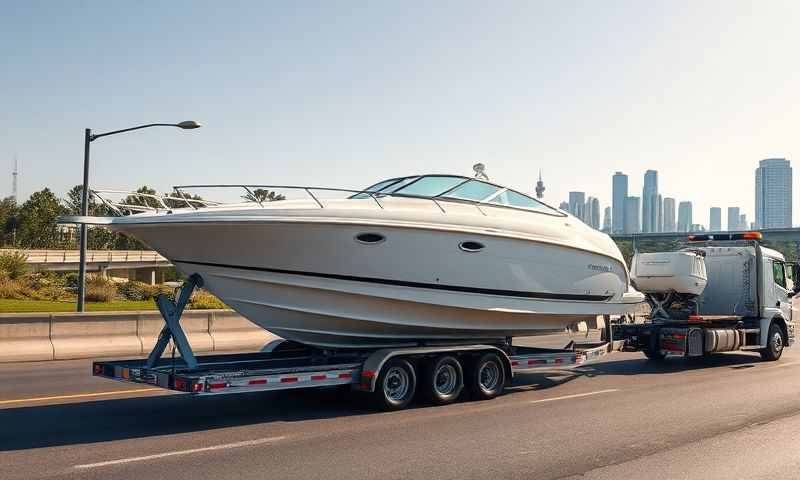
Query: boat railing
pixel 255 193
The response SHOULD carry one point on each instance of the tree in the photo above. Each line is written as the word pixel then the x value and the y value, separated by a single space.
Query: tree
pixel 37 221
pixel 9 213
pixel 141 200
pixel 260 195
pixel 182 203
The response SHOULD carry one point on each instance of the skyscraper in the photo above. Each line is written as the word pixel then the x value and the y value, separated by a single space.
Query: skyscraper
pixel 684 216
pixel 593 213
pixel 774 193
pixel 649 202
pixel 669 215
pixel 715 219
pixel 733 219
pixel 607 220
pixel 577 203
pixel 564 206
pixel 619 191
pixel 632 221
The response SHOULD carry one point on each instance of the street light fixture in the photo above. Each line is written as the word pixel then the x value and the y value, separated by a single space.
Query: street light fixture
pixel 89 138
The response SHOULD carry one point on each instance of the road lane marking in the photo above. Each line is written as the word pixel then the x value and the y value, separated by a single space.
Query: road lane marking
pixel 577 395
pixel 79 395
pixel 225 446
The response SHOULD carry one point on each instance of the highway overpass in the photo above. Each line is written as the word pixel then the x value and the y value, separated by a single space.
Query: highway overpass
pixel 133 264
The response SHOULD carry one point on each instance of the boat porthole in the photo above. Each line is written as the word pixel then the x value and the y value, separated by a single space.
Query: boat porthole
pixel 370 238
pixel 471 246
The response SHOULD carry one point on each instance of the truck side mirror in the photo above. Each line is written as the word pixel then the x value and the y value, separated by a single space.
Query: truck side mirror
pixel 795 276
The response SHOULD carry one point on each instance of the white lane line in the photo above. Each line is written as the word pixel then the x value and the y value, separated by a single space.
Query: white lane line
pixel 577 395
pixel 225 446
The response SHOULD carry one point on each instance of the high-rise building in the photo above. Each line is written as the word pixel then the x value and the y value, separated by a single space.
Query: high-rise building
pixel 649 202
pixel 619 192
pixel 593 213
pixel 669 215
pixel 715 219
pixel 564 206
pixel 632 221
pixel 684 216
pixel 607 220
pixel 577 203
pixel 696 227
pixel 733 219
pixel 774 193
pixel 743 222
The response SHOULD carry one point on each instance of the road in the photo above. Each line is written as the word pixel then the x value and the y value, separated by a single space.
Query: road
pixel 731 416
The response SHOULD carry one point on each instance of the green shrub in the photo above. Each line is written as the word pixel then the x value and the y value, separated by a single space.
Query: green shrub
pixel 9 288
pixel 202 300
pixel 71 281
pixel 98 289
pixel 51 292
pixel 13 264
pixel 133 290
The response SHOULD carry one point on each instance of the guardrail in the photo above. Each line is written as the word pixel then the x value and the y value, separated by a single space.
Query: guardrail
pixel 63 336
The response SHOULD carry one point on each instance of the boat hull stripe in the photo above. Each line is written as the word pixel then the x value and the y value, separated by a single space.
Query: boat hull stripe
pixel 403 283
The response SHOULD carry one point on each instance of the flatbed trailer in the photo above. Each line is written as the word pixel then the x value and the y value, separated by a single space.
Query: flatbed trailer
pixel 392 375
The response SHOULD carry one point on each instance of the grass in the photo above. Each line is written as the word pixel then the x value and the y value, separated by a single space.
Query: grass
pixel 26 306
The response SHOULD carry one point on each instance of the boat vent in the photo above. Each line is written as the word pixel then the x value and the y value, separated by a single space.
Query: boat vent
pixel 471 246
pixel 370 238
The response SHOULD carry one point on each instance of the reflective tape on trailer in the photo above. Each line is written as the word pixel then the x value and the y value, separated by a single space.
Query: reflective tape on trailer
pixel 277 382
pixel 544 360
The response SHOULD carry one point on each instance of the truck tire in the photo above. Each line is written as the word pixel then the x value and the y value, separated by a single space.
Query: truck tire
pixel 486 377
pixel 442 380
pixel 653 354
pixel 775 344
pixel 396 385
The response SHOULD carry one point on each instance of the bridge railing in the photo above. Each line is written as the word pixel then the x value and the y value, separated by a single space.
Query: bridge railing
pixel 92 256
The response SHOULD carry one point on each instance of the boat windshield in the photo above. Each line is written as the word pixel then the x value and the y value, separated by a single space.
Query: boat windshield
pixel 458 188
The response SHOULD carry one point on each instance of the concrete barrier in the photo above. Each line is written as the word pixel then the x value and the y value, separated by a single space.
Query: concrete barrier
pixel 62 336
pixel 25 337
pixel 195 324
pixel 231 331
pixel 86 335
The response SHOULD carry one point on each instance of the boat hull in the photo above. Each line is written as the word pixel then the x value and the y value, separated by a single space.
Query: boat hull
pixel 314 282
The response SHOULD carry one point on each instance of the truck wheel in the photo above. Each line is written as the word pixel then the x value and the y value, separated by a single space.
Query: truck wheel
pixel 396 385
pixel 486 377
pixel 653 354
pixel 442 380
pixel 775 344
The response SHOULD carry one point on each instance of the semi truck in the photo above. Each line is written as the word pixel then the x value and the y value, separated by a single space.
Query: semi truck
pixel 718 294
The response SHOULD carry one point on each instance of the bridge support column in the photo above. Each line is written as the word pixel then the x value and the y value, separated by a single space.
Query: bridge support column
pixel 153 276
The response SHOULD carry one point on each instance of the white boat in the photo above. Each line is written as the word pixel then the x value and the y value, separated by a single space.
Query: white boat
pixel 408 260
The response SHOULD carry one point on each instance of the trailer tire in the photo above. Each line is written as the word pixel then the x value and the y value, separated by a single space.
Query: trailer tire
pixel 486 377
pixel 442 380
pixel 396 385
pixel 775 344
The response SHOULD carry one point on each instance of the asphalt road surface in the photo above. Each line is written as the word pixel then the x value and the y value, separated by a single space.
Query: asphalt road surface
pixel 731 416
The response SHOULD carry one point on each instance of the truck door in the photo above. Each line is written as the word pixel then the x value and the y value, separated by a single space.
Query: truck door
pixel 780 290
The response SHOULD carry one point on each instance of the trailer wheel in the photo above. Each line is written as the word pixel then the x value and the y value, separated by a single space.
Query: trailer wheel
pixel 396 384
pixel 775 344
pixel 442 380
pixel 486 377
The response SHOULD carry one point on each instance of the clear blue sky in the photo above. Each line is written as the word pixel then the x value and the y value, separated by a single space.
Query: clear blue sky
pixel 345 93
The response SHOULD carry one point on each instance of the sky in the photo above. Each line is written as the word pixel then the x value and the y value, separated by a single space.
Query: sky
pixel 343 94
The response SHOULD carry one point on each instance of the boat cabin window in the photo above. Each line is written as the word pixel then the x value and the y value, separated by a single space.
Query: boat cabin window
pixel 398 185
pixel 515 199
pixel 430 186
pixel 473 190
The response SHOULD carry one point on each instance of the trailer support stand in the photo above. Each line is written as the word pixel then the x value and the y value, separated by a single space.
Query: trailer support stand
pixel 172 311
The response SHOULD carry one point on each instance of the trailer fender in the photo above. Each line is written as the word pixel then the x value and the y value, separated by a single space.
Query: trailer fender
pixel 372 366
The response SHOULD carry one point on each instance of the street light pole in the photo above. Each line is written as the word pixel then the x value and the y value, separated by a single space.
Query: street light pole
pixel 84 229
pixel 89 138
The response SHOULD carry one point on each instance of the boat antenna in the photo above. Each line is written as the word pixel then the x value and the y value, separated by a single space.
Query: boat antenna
pixel 479 169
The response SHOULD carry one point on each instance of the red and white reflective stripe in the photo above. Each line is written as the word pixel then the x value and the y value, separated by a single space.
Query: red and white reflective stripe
pixel 525 363
pixel 334 376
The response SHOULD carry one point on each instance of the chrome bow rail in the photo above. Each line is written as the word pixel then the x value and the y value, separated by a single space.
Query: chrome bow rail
pixel 183 201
